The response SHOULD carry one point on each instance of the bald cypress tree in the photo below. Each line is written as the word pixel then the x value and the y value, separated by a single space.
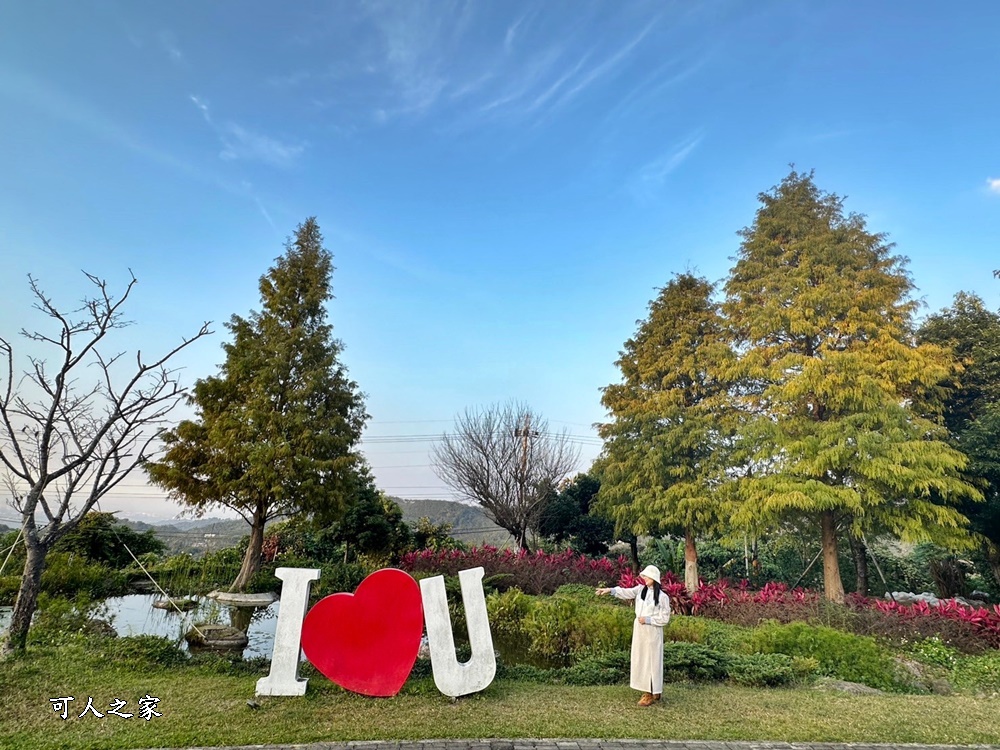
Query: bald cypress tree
pixel 276 430
pixel 972 407
pixel 665 445
pixel 833 381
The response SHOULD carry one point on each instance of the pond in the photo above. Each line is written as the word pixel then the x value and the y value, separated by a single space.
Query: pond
pixel 135 615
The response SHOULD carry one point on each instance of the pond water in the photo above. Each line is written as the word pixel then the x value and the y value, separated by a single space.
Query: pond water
pixel 135 615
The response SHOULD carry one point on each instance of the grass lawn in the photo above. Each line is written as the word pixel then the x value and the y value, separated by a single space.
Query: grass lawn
pixel 207 705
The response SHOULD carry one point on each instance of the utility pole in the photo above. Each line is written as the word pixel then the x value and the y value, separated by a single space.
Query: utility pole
pixel 525 433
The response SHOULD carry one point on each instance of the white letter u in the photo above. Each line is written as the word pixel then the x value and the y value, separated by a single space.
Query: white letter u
pixel 451 677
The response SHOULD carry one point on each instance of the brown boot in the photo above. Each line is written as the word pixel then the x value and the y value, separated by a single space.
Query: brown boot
pixel 646 699
pixel 656 698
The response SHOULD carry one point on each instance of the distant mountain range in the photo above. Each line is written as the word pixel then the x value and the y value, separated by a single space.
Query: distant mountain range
pixel 468 523
pixel 199 535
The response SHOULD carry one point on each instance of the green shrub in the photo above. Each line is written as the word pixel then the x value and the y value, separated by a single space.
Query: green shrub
pixel 506 612
pixel 525 673
pixel 723 636
pixel 606 669
pixel 804 667
pixel 67 574
pixel 557 630
pixel 550 626
pixel 842 655
pixel 689 629
pixel 980 674
pixel 579 591
pixel 60 620
pixel 761 670
pixel 563 629
pixel 934 650
pixel 335 577
pixel 693 661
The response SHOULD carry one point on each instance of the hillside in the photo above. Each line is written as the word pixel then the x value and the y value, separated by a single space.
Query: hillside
pixel 195 535
pixel 199 535
pixel 468 523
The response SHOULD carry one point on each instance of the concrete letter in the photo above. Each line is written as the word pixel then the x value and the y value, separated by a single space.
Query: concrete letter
pixel 454 679
pixel 283 678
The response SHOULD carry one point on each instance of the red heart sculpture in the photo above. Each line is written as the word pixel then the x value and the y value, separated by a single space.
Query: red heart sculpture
pixel 367 641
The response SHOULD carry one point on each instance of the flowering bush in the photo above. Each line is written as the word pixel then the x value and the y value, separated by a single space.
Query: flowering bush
pixel 983 621
pixel 970 629
pixel 532 572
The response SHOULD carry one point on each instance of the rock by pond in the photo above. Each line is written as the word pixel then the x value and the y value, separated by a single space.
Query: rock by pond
pixel 182 605
pixel 237 599
pixel 216 637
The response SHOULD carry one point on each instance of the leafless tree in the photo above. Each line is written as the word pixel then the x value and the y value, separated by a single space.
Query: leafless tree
pixel 73 430
pixel 505 458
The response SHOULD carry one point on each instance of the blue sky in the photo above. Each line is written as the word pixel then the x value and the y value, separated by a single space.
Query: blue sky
pixel 504 185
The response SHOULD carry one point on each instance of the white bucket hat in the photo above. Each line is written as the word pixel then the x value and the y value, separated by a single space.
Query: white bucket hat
pixel 651 571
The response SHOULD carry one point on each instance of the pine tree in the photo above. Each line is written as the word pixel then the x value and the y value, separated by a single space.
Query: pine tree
pixel 276 429
pixel 972 407
pixel 664 452
pixel 832 378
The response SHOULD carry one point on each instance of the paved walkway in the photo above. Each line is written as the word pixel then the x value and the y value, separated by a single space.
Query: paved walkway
pixel 529 744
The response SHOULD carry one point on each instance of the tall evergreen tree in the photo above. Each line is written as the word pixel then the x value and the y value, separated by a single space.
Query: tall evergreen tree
pixel 972 407
pixel 566 517
pixel 277 429
pixel 830 373
pixel 663 458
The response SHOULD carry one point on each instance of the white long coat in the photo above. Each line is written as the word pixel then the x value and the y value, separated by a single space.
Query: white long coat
pixel 647 640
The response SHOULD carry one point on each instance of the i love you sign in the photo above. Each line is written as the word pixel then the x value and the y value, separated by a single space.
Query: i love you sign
pixel 367 642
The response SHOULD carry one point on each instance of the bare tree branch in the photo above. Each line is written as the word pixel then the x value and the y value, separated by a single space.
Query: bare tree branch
pixel 63 446
pixel 504 458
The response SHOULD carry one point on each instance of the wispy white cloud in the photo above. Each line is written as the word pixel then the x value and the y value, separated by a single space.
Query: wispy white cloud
pixel 264 213
pixel 169 45
pixel 460 63
pixel 653 175
pixel 35 93
pixel 516 29
pixel 241 143
pixel 203 108
pixel 607 65
pixel 993 184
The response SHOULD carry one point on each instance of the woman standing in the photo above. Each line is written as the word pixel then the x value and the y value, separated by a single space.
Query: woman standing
pixel 652 612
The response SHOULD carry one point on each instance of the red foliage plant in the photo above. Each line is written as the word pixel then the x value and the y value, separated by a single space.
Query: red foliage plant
pixel 532 572
pixel 969 628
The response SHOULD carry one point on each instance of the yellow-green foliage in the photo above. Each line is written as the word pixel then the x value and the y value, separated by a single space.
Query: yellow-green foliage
pixel 560 628
pixel 979 674
pixel 839 654
pixel 690 629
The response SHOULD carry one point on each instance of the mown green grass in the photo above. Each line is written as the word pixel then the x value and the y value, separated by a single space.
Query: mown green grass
pixel 207 705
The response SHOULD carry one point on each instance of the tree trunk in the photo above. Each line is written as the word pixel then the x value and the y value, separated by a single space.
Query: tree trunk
pixel 251 560
pixel 690 562
pixel 522 539
pixel 860 554
pixel 993 558
pixel 833 588
pixel 27 599
pixel 633 548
